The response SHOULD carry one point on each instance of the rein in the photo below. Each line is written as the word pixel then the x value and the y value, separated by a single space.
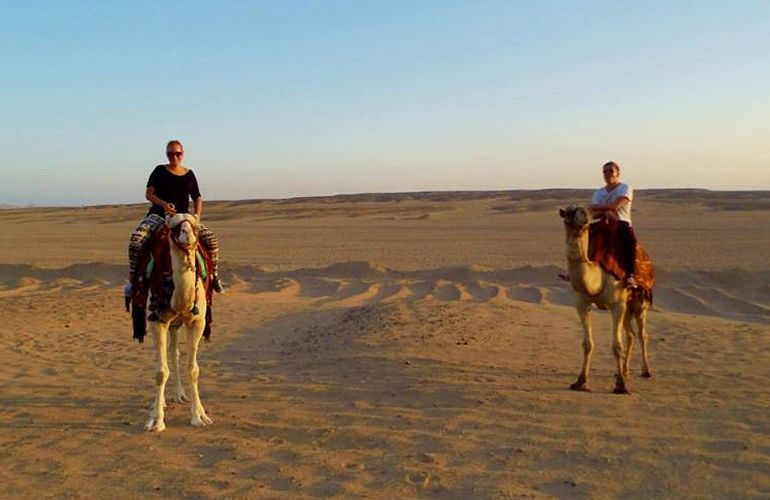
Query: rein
pixel 191 262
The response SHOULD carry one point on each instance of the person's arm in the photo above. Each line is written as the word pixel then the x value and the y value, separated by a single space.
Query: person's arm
pixel 595 207
pixel 596 210
pixel 153 198
pixel 195 194
pixel 610 209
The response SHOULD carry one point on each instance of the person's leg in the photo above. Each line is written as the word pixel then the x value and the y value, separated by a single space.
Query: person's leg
pixel 136 246
pixel 209 240
pixel 628 238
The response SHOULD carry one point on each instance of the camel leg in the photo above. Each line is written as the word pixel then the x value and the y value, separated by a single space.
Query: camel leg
pixel 629 344
pixel 194 334
pixel 618 318
pixel 641 323
pixel 584 311
pixel 181 395
pixel 156 421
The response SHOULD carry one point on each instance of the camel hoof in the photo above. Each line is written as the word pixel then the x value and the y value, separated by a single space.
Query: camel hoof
pixel 181 397
pixel 154 425
pixel 580 385
pixel 620 386
pixel 200 419
pixel 646 374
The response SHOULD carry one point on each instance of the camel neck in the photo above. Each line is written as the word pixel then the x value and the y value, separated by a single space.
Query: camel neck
pixel 585 275
pixel 577 247
pixel 185 282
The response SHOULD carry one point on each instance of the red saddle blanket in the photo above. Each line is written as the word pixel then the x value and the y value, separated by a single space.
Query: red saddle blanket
pixel 154 274
pixel 606 247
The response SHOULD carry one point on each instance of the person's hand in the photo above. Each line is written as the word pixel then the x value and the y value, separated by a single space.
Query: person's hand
pixel 170 208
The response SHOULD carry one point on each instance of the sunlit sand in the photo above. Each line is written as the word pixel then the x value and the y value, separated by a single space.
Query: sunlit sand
pixel 391 346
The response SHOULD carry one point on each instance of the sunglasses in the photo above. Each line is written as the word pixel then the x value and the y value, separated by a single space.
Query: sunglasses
pixel 174 153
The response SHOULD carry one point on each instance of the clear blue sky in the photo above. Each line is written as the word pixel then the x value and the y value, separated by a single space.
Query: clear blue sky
pixel 289 98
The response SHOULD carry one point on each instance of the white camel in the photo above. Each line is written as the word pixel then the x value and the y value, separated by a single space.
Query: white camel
pixel 188 309
pixel 593 285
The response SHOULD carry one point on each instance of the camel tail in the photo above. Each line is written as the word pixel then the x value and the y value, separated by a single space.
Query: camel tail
pixel 644 293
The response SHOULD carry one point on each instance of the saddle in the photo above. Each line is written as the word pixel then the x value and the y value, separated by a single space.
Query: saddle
pixel 606 247
pixel 154 274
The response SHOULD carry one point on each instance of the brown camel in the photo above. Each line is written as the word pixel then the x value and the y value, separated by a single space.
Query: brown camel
pixel 593 285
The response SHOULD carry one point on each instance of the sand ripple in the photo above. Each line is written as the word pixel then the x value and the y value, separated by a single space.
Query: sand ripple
pixel 736 294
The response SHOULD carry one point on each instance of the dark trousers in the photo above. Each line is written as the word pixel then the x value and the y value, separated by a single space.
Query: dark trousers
pixel 628 242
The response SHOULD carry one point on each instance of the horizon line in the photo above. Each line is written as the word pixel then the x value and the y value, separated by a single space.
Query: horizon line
pixel 12 206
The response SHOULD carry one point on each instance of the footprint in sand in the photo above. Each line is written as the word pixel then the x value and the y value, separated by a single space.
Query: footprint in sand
pixel 530 294
pixel 447 292
pixel 483 292
pixel 423 480
pixel 421 290
pixel 430 458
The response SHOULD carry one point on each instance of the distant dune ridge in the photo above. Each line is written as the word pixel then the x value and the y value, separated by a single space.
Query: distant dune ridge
pixel 748 200
pixel 402 345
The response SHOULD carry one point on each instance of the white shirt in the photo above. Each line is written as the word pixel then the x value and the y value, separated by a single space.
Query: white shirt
pixel 602 197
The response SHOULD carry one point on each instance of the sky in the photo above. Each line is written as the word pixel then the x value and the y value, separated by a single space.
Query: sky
pixel 298 98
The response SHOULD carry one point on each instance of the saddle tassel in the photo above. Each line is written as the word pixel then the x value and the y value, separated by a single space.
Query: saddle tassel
pixel 195 311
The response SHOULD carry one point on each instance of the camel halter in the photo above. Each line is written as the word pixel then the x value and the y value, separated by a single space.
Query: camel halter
pixel 190 260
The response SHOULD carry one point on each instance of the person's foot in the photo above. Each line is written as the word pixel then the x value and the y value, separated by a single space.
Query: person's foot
pixel 217 284
pixel 631 281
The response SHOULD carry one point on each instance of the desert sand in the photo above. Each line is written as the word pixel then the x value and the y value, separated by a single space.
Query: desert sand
pixel 391 346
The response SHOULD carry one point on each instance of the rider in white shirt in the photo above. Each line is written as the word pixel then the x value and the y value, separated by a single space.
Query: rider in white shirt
pixel 613 202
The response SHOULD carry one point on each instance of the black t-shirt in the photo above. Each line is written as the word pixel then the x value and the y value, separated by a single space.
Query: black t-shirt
pixel 176 189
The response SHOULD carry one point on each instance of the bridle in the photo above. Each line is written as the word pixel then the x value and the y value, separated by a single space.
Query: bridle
pixel 189 250
pixel 575 230
pixel 175 231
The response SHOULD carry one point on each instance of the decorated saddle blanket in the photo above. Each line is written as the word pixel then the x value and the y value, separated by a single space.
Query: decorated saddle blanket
pixel 606 247
pixel 154 280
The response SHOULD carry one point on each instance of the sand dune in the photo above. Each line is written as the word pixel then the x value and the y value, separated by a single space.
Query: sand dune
pixel 739 296
pixel 365 350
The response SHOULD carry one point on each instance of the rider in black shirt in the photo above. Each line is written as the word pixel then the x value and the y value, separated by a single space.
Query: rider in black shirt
pixel 173 188
pixel 170 189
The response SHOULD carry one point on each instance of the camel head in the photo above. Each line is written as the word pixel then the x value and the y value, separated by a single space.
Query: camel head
pixel 183 230
pixel 576 219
